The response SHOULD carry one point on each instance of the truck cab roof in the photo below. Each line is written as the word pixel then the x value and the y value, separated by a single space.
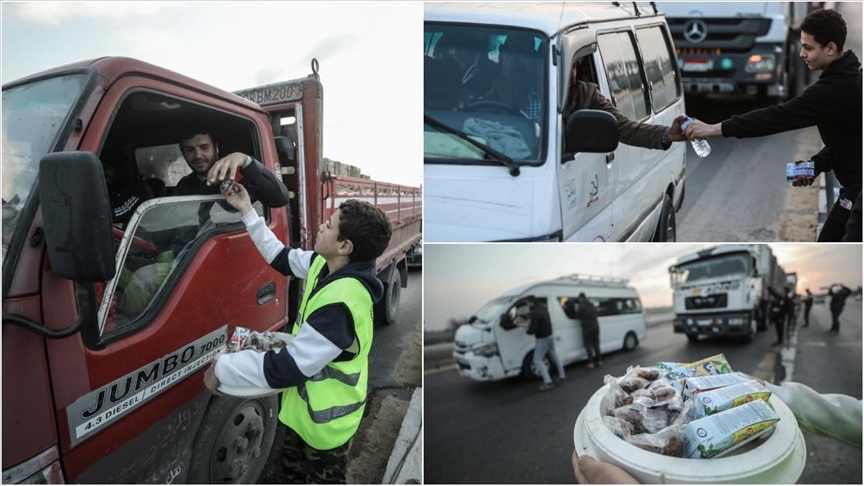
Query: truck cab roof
pixel 111 69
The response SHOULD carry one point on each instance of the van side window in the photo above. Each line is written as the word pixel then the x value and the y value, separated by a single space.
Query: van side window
pixel 623 74
pixel 656 51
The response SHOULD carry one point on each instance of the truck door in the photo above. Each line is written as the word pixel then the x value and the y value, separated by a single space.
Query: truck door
pixel 129 405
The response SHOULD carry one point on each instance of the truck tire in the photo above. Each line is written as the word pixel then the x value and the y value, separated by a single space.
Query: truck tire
pixel 666 227
pixel 234 441
pixel 630 341
pixel 388 307
pixel 692 337
pixel 752 334
pixel 528 369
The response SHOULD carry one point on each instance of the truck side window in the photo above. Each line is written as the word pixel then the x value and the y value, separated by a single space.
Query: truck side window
pixel 659 69
pixel 623 73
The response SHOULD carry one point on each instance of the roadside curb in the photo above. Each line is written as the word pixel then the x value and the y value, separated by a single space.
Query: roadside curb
pixel 405 464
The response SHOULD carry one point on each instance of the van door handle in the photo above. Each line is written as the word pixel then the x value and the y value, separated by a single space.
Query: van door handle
pixel 610 157
pixel 266 293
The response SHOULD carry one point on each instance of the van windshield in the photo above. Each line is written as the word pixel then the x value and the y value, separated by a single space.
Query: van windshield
pixel 489 83
pixel 724 266
pixel 33 115
pixel 492 310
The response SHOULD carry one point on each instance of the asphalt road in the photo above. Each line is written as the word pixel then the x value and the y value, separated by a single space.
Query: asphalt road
pixel 507 432
pixel 394 373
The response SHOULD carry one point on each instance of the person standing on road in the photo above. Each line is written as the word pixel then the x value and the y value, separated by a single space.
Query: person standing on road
pixel 324 370
pixel 587 315
pixel 540 325
pixel 833 104
pixel 839 293
pixel 779 314
pixel 808 304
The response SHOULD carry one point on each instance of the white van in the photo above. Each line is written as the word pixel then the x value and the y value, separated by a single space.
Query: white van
pixel 491 347
pixel 495 172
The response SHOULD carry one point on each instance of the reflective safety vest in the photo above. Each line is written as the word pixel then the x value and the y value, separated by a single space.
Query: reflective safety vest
pixel 326 410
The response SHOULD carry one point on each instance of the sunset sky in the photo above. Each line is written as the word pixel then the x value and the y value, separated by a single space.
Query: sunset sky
pixel 459 279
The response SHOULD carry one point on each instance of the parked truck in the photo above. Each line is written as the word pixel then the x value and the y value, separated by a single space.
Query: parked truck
pixel 739 48
pixel 725 290
pixel 98 390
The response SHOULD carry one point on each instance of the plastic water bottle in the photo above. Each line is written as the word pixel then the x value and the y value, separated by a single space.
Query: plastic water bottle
pixel 800 170
pixel 700 145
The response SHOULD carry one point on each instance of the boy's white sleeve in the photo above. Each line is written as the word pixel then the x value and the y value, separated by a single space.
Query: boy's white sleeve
pixel 295 262
pixel 834 416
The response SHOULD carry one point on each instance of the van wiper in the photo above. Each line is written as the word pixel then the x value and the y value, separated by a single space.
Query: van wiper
pixel 490 153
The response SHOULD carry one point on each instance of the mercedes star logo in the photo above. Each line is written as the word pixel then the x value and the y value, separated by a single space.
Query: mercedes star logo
pixel 695 31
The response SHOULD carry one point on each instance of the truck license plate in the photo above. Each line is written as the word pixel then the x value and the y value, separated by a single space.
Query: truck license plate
pixel 699 66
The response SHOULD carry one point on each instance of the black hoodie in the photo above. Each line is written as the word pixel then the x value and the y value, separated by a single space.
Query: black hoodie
pixel 833 104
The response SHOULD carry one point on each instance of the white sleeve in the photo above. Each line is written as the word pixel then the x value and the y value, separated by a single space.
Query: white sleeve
pixel 268 245
pixel 834 416
pixel 243 368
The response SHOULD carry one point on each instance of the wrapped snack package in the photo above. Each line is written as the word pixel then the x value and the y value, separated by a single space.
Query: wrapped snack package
pixel 265 341
pixel 619 427
pixel 642 417
pixel 667 366
pixel 698 384
pixel 667 441
pixel 617 396
pixel 715 365
pixel 721 432
pixel 238 339
pixel 720 399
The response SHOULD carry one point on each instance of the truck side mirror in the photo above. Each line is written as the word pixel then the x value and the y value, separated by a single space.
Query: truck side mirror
pixel 77 216
pixel 286 150
pixel 592 131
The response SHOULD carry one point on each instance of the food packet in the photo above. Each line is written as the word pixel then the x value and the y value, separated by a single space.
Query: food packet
pixel 667 441
pixel 619 427
pixel 642 417
pixel 265 341
pixel 720 433
pixel 238 339
pixel 667 366
pixel 715 365
pixel 720 399
pixel 616 396
pixel 698 384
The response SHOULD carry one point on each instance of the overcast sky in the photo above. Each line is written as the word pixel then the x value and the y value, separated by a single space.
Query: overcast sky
pixel 370 63
pixel 459 279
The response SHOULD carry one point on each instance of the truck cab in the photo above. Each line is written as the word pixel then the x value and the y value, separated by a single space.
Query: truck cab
pixel 107 327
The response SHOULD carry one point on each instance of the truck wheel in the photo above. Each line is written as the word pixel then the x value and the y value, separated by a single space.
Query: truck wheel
pixel 234 441
pixel 666 228
pixel 752 334
pixel 630 341
pixel 692 337
pixel 530 371
pixel 388 307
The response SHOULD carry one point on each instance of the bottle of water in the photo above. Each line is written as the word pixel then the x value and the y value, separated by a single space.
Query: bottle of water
pixel 700 145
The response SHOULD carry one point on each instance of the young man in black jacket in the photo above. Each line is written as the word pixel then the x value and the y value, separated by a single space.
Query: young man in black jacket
pixel 540 325
pixel 833 104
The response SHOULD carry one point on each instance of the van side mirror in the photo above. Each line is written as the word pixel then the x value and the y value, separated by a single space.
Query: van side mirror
pixel 77 216
pixel 506 322
pixel 592 131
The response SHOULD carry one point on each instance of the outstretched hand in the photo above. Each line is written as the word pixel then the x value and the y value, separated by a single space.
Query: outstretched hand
pixel 675 134
pixel 225 168
pixel 590 471
pixel 237 196
pixel 700 129
pixel 803 181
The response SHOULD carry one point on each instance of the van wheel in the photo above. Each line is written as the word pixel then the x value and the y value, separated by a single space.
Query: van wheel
pixel 234 440
pixel 666 227
pixel 630 341
pixel 530 371
pixel 387 309
pixel 692 337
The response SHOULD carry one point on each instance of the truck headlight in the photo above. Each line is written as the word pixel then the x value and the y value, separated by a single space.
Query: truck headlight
pixel 486 350
pixel 760 63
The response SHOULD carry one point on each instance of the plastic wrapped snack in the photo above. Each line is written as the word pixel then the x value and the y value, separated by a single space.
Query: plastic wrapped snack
pixel 619 427
pixel 698 384
pixel 667 441
pixel 715 365
pixel 238 339
pixel 720 399
pixel 642 417
pixel 721 432
pixel 265 341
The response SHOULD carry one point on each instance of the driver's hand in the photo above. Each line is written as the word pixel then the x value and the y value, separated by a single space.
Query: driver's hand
pixel 675 134
pixel 238 197
pixel 225 168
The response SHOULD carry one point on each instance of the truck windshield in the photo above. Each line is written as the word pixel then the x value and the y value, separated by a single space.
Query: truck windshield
pixel 490 84
pixel 33 115
pixel 492 310
pixel 724 266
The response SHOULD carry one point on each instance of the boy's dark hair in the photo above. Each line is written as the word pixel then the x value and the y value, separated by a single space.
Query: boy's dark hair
pixel 366 226
pixel 826 25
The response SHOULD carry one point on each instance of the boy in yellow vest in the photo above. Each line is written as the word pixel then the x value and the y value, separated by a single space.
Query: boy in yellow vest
pixel 324 369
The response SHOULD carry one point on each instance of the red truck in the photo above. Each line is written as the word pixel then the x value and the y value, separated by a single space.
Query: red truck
pixel 106 333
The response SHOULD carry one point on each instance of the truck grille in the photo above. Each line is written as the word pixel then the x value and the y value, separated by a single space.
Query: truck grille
pixel 715 301
pixel 728 35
